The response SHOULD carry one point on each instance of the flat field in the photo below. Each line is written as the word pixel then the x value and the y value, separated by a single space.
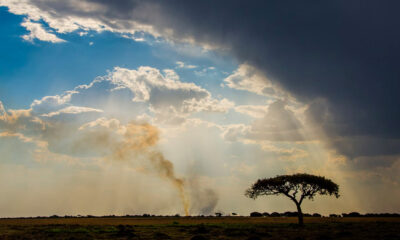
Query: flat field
pixel 198 228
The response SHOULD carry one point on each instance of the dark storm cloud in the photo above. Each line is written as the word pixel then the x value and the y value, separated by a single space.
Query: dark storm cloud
pixel 344 54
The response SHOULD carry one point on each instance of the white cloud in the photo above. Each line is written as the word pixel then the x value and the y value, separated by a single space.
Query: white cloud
pixel 183 65
pixel 36 31
pixel 146 91
pixel 205 71
pixel 278 123
pixel 69 16
pixel 166 94
pixel 51 103
pixel 72 110
pixel 255 111
pixel 248 78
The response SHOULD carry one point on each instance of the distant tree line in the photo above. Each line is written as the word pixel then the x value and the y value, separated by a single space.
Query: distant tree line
pixel 295 214
pixel 252 214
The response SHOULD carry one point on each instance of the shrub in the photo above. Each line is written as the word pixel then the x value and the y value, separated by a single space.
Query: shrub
pixel 255 214
pixel 352 214
pixel 275 214
pixel 290 214
pixel 218 214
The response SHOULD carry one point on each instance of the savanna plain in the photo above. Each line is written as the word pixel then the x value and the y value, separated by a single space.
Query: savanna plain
pixel 198 228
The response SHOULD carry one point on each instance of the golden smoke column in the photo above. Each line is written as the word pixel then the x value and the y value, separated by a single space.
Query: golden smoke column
pixel 140 139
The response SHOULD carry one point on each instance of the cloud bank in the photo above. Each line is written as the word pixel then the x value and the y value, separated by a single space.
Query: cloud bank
pixel 343 53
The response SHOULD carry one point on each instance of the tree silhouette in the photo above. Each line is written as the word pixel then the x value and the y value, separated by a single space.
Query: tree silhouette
pixel 306 185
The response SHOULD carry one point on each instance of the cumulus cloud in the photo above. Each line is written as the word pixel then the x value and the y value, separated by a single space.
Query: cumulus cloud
pixel 19 121
pixel 36 31
pixel 180 64
pixel 69 16
pixel 203 72
pixel 248 78
pixel 278 123
pixel 68 121
pixel 255 111
pixel 165 93
pixel 145 90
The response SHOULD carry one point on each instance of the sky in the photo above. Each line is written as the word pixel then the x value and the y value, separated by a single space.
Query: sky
pixel 164 107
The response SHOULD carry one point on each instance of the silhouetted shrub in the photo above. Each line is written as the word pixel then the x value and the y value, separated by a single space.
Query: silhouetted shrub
pixel 333 215
pixel 316 215
pixel 255 214
pixel 265 214
pixel 275 214
pixel 218 214
pixel 290 214
pixel 352 214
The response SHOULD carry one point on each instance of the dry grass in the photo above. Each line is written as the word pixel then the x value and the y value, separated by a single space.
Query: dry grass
pixel 186 220
pixel 200 228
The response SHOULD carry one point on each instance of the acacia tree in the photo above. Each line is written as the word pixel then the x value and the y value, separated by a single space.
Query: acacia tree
pixel 297 187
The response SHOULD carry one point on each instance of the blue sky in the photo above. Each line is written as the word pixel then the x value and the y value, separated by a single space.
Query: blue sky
pixel 93 102
pixel 53 68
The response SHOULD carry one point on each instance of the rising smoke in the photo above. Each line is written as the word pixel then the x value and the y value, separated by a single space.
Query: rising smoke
pixel 139 142
pixel 203 200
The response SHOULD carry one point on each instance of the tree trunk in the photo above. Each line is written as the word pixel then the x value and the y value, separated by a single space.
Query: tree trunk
pixel 299 214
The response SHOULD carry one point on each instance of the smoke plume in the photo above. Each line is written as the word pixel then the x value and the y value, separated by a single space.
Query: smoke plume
pixel 204 200
pixel 139 142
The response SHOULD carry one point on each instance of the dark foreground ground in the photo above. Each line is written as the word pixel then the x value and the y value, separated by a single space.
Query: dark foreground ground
pixel 201 228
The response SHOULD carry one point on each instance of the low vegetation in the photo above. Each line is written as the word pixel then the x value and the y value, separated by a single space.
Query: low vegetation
pixel 200 228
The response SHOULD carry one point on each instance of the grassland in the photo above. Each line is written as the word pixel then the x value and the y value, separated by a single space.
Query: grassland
pixel 198 228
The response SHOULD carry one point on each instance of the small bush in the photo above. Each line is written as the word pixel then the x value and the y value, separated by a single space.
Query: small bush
pixel 290 214
pixel 352 214
pixel 275 214
pixel 255 214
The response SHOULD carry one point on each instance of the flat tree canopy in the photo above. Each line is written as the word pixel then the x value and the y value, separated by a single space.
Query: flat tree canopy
pixel 297 187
